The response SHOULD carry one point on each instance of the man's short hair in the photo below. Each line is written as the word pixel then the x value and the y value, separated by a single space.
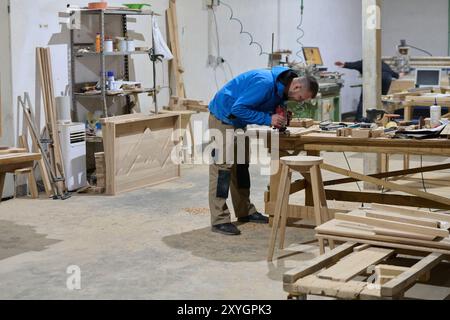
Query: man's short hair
pixel 311 84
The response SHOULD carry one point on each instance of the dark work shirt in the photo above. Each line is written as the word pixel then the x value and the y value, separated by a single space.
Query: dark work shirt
pixel 387 74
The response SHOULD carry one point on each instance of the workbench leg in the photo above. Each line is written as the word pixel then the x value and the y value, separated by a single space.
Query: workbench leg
pixel 406 162
pixel 2 184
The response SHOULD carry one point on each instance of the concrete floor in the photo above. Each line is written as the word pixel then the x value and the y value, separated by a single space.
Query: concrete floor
pixel 153 243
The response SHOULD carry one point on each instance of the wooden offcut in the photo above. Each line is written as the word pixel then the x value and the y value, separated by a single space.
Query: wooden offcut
pixel 138 150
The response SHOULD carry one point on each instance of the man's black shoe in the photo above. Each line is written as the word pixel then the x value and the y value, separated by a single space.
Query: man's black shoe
pixel 255 218
pixel 228 229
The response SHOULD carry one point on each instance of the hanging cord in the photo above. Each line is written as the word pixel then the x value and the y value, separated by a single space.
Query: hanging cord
pixel 423 179
pixel 242 31
pixel 350 168
pixel 299 53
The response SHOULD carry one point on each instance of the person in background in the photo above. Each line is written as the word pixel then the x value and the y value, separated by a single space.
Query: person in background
pixel 387 74
pixel 250 98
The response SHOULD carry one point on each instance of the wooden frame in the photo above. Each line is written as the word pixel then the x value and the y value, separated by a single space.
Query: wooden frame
pixel 138 150
pixel 347 261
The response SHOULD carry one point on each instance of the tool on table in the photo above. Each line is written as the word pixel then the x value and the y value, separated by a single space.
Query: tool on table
pixel 374 115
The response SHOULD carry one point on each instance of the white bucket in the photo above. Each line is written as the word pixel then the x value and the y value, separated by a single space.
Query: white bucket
pixel 63 108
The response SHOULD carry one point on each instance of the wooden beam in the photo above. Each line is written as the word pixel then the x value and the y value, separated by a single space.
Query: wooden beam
pixel 409 277
pixel 384 198
pixel 413 213
pixel 399 226
pixel 386 184
pixel 389 174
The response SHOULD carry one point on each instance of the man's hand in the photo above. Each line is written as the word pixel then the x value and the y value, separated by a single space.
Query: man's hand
pixel 278 121
pixel 339 64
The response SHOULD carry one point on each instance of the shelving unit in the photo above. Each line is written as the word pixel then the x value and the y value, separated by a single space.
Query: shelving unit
pixel 103 94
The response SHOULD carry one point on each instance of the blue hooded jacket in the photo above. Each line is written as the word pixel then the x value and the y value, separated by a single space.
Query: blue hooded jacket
pixel 250 98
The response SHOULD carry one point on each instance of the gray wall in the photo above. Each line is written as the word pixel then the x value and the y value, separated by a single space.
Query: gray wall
pixel 422 23
pixel 7 121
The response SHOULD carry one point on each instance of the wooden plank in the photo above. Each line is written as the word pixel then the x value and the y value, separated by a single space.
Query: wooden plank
pixel 412 213
pixel 385 184
pixel 384 198
pixel 18 158
pixel 410 276
pixel 444 151
pixel 387 174
pixel 12 150
pixel 355 263
pixel 363 232
pixel 384 243
pixel 393 225
pixel 399 218
pixel 318 263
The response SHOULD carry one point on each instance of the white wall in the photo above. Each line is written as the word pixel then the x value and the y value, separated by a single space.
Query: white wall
pixel 7 115
pixel 334 26
pixel 422 23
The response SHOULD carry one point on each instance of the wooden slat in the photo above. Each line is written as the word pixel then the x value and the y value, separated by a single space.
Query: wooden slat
pixel 387 244
pixel 18 158
pixel 355 263
pixel 398 218
pixel 385 184
pixel 410 276
pixel 360 232
pixel 393 225
pixel 316 264
pixel 385 198
pixel 412 213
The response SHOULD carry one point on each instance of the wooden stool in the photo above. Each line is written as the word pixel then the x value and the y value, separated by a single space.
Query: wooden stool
pixel 31 181
pixel 306 165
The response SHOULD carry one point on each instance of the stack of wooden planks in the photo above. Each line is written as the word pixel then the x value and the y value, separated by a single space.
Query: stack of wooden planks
pixel 392 227
pixel 46 84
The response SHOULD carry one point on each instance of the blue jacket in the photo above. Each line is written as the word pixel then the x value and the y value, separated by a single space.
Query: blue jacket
pixel 250 98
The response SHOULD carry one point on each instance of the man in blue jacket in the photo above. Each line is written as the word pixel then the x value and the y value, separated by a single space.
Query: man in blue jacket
pixel 250 98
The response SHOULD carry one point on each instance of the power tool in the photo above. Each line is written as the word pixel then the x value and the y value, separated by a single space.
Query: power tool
pixel 282 110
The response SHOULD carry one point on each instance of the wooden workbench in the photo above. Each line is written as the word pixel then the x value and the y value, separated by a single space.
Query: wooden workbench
pixel 13 159
pixel 315 142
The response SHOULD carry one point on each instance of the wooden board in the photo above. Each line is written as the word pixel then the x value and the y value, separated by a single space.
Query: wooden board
pixel 138 151
pixel 355 263
pixel 360 233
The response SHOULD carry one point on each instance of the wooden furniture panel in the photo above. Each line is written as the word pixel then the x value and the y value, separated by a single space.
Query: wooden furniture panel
pixel 138 150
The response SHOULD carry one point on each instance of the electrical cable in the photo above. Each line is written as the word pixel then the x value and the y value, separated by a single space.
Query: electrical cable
pixel 423 179
pixel 242 31
pixel 424 51
pixel 299 53
pixel 350 168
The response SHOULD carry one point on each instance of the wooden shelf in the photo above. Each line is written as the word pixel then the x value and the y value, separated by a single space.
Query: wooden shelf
pixel 119 94
pixel 118 11
pixel 118 53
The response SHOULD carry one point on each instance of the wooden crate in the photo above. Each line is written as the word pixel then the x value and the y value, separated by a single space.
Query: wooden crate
pixel 138 150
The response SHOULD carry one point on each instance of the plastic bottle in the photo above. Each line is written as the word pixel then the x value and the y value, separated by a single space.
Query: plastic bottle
pixel 98 43
pixel 110 76
pixel 435 115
